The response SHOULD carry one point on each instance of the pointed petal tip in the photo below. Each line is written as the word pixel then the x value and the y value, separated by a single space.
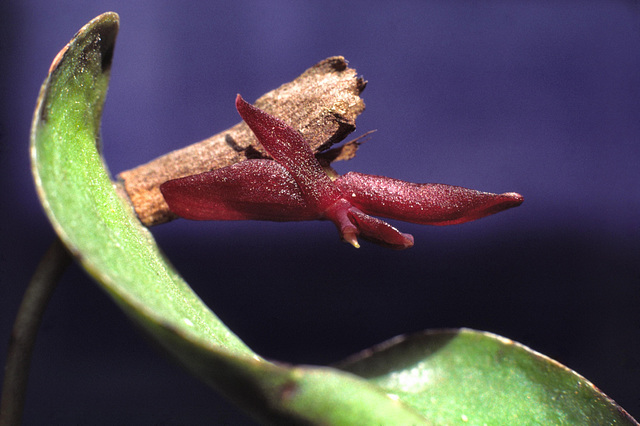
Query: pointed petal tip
pixel 349 233
pixel 408 241
pixel 379 232
pixel 351 238
pixel 514 199
pixel 239 100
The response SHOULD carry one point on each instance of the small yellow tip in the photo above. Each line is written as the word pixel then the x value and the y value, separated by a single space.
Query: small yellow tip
pixel 351 238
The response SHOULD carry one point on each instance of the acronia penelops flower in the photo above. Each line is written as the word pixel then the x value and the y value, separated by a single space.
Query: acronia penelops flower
pixel 294 186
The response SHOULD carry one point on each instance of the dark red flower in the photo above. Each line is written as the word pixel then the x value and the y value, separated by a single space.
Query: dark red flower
pixel 294 186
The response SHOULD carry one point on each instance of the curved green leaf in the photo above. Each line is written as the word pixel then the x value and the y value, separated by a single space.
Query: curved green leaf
pixel 471 377
pixel 102 231
pixel 80 200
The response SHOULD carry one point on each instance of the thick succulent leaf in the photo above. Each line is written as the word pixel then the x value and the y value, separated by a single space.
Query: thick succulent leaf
pixel 82 204
pixel 284 394
pixel 102 231
pixel 470 377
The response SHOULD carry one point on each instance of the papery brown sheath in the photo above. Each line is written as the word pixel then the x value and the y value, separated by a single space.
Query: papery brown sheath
pixel 294 186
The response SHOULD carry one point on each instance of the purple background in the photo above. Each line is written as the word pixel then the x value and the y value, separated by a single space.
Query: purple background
pixel 542 98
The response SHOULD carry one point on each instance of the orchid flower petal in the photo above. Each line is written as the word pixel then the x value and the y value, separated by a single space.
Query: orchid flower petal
pixel 380 232
pixel 249 190
pixel 289 148
pixel 426 204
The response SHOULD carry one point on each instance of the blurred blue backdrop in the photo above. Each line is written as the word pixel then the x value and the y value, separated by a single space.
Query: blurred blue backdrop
pixel 542 98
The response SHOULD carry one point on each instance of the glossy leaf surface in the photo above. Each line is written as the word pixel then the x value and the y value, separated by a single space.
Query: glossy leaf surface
pixel 471 377
pixel 82 204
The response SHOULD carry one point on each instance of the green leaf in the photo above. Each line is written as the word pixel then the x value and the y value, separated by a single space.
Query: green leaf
pixel 102 231
pixel 80 200
pixel 471 377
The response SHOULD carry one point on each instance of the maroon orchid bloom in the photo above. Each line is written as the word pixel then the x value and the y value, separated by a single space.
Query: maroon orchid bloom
pixel 294 186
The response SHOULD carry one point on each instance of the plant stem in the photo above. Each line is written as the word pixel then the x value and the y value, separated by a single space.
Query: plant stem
pixel 25 330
